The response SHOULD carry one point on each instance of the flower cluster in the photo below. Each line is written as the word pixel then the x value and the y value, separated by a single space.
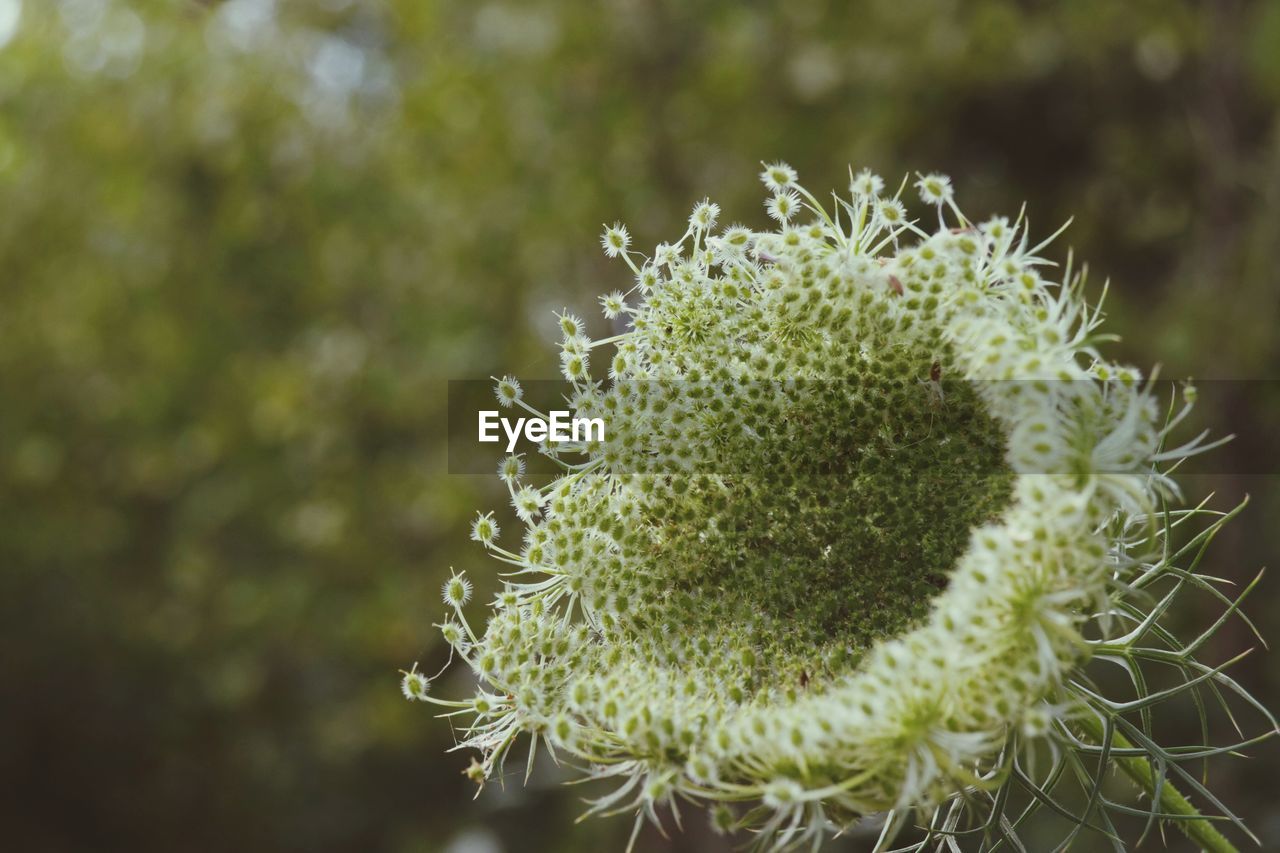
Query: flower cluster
pixel 865 487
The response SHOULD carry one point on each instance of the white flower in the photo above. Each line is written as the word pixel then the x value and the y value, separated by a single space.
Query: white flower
pixel 511 468
pixel 783 205
pixel 484 529
pixel 570 325
pixel 866 184
pixel 853 539
pixel 648 278
pixel 778 176
pixel 452 633
pixel 704 216
pixel 935 189
pixel 415 686
pixel 891 212
pixel 575 365
pixel 508 391
pixel 666 255
pixel 615 240
pixel 456 590
pixel 613 304
pixel 527 502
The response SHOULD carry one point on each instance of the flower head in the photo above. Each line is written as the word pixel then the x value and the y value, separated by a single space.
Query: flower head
pixel 615 239
pixel 415 686
pixel 613 304
pixel 508 392
pixel 866 184
pixel 935 189
pixel 484 529
pixel 457 590
pixel 570 326
pixel 778 176
pixel 511 468
pixel 704 216
pixel 783 205
pixel 891 212
pixel 866 510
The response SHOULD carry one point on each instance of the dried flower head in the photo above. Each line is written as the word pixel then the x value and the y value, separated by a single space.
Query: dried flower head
pixel 414 685
pixel 869 501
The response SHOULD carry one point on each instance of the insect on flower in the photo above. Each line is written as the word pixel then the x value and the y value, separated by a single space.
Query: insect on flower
pixel 935 382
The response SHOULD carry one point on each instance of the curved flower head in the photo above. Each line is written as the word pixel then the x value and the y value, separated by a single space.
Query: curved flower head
pixel 868 502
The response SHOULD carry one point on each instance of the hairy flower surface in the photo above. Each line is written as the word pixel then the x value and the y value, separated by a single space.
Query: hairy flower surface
pixel 869 500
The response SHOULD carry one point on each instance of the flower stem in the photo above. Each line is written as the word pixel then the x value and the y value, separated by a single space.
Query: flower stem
pixel 1198 829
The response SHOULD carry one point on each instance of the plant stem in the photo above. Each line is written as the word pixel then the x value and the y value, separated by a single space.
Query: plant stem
pixel 1201 831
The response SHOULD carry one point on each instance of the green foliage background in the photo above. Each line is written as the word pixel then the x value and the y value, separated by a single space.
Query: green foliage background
pixel 244 245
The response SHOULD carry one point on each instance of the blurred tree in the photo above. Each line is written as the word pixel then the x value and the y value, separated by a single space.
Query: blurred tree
pixel 219 337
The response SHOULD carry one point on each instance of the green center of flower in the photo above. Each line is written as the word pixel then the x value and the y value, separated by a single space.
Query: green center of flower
pixel 836 517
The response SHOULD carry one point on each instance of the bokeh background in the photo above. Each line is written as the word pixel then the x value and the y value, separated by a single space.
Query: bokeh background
pixel 245 244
